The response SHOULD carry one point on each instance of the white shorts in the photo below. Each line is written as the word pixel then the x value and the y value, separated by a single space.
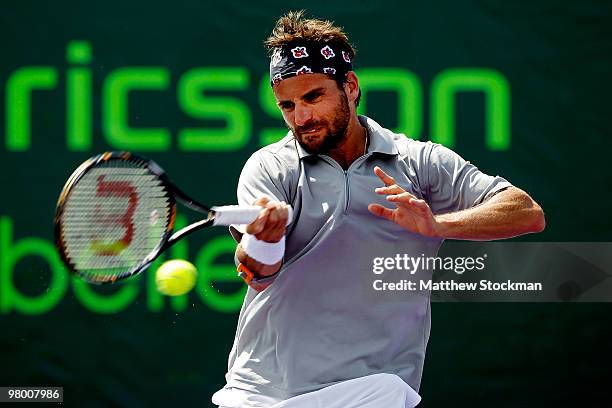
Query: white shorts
pixel 372 391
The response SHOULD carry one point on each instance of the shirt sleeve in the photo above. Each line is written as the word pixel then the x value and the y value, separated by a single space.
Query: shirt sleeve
pixel 455 184
pixel 263 175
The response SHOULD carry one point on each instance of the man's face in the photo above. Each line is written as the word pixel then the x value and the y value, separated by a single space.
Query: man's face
pixel 315 110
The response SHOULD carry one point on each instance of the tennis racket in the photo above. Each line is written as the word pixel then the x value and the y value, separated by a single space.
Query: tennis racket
pixel 116 215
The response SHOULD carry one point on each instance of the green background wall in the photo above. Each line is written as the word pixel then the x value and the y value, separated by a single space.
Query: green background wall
pixel 127 346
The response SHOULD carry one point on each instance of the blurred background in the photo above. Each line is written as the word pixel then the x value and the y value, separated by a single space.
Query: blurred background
pixel 520 88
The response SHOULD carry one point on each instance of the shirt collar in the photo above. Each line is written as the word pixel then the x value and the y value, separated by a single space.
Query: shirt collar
pixel 379 140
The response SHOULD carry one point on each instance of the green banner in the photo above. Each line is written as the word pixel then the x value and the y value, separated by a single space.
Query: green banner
pixel 519 89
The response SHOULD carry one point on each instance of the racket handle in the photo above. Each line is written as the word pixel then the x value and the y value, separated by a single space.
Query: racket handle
pixel 240 214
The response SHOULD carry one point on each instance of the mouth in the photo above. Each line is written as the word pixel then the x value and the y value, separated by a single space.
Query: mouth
pixel 312 131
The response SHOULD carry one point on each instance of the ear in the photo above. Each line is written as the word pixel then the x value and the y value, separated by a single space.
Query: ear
pixel 351 86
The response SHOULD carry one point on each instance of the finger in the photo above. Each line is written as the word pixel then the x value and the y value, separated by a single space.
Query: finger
pixel 274 213
pixel 259 224
pixel 414 205
pixel 281 208
pixel 420 203
pixel 263 201
pixel 271 232
pixel 284 213
pixel 387 179
pixel 394 189
pixel 272 204
pixel 381 211
pixel 407 202
pixel 275 224
pixel 281 215
pixel 403 198
pixel 422 207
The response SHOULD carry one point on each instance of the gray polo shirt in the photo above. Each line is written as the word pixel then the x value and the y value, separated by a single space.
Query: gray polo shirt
pixel 319 323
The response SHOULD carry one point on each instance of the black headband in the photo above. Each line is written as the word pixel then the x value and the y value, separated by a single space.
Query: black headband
pixel 300 58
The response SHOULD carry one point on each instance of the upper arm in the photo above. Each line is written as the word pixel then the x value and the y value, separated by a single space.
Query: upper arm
pixel 455 184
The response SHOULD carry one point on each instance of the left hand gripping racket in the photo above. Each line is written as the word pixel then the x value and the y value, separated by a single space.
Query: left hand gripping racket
pixel 116 214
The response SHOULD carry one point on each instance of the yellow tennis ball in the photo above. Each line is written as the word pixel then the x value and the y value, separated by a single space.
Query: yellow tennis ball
pixel 175 277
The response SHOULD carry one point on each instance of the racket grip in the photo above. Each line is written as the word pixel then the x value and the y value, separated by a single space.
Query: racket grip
pixel 240 214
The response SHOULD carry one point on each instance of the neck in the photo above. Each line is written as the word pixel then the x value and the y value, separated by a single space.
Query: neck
pixel 353 146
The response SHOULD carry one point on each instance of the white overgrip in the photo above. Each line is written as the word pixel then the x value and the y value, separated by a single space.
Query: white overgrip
pixel 240 214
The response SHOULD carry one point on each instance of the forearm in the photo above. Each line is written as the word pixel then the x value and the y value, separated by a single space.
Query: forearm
pixel 261 249
pixel 507 214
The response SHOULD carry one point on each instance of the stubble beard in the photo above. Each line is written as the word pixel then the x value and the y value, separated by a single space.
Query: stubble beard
pixel 335 134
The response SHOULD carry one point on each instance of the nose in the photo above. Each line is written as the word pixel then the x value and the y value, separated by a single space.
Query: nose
pixel 303 114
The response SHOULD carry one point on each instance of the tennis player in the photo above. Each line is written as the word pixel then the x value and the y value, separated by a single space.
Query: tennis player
pixel 307 337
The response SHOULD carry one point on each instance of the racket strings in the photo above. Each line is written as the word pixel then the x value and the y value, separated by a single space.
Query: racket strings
pixel 114 217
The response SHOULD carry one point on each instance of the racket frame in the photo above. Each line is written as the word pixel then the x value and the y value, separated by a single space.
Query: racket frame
pixel 169 237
